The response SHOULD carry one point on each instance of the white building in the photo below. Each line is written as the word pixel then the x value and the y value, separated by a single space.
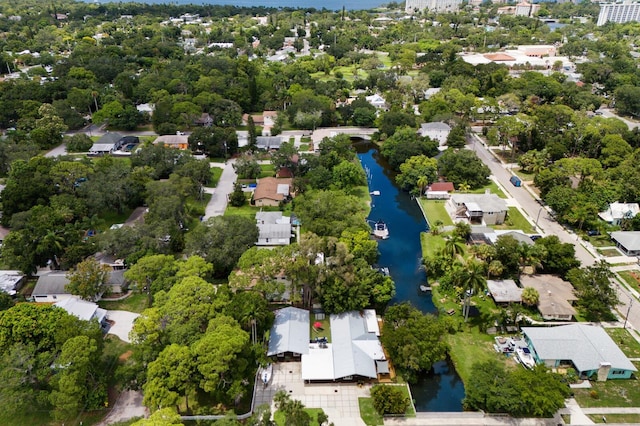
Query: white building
pixel 436 131
pixel 432 5
pixel 618 212
pixel 620 13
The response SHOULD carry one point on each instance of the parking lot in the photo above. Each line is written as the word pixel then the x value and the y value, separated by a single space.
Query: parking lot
pixel 339 400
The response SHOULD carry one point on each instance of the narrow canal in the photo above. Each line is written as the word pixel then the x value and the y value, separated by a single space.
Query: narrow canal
pixel 441 390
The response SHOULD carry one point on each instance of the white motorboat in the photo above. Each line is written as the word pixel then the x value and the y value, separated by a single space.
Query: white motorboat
pixel 525 357
pixel 374 193
pixel 380 230
pixel 266 373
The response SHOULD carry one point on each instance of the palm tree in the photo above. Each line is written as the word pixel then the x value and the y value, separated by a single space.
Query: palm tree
pixel 453 247
pixel 530 296
pixel 495 269
pixel 464 187
pixel 422 183
pixel 473 281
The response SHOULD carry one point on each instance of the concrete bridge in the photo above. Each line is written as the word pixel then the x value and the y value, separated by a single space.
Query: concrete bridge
pixel 329 132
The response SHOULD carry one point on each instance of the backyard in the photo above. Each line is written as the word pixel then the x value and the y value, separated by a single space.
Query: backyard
pixel 612 393
pixel 431 244
pixel 136 302
pixel 515 220
pixel 632 279
pixel 435 212
pixel 492 186
pixel 625 341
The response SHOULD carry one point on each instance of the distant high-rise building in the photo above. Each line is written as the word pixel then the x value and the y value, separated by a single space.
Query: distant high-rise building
pixel 432 5
pixel 620 13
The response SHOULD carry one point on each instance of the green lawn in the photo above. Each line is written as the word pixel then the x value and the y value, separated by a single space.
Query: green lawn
pixel 278 416
pixel 599 240
pixel 612 393
pixel 609 252
pixel 110 217
pixel 216 172
pixel 515 220
pixel 362 193
pixel 435 211
pixel 625 341
pixel 631 278
pixel 369 414
pixel 267 170
pixel 248 210
pixel 492 186
pixel 525 176
pixel 431 244
pixel 136 302
pixel 322 331
pixel 631 419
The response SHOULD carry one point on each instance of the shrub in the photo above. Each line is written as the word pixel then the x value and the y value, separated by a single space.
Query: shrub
pixel 594 394
pixel 79 143
pixel 389 399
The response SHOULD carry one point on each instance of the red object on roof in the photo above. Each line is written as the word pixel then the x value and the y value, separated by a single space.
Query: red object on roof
pixel 441 186
pixel 499 57
pixel 284 172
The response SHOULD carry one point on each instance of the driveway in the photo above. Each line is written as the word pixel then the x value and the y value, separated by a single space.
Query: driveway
pixel 127 406
pixel 218 203
pixel 123 323
pixel 338 400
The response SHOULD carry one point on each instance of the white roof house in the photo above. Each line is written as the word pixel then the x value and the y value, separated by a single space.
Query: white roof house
pixel 289 333
pixel 488 209
pixel 355 350
pixel 10 281
pixel 437 131
pixel 504 291
pixel 82 309
pixel 619 211
pixel 377 101
pixel 627 241
pixel 588 347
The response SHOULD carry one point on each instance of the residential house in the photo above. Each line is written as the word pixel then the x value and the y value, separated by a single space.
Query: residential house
pixel 272 191
pixel 274 229
pixel 436 131
pixel 108 143
pixel 487 209
pixel 377 101
pixel 617 212
pixel 587 348
pixel 504 291
pixel 266 120
pixel 173 141
pixel 289 336
pixel 354 352
pixel 269 142
pixel 51 287
pixel 110 260
pixel 84 310
pixel 205 120
pixel 627 241
pixel 439 191
pixel 11 281
pixel 555 296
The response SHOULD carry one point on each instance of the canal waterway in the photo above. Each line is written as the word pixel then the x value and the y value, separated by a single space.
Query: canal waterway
pixel 441 390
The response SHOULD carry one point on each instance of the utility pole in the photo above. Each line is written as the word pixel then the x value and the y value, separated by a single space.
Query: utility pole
pixel 628 311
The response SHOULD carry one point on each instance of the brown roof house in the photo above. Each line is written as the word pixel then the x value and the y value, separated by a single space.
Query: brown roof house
pixel 504 291
pixel 271 191
pixel 556 296
pixel 440 190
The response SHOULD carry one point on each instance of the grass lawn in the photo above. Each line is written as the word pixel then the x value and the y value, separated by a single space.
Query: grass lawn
pixel 525 176
pixel 410 412
pixel 612 393
pixel 625 341
pixel 278 416
pixel 599 241
pixel 216 172
pixel 435 211
pixel 111 217
pixel 323 331
pixel 616 418
pixel 137 302
pixel 609 252
pixel 431 244
pixel 515 220
pixel 492 186
pixel 304 147
pixel 362 193
pixel 631 278
pixel 248 210
pixel 369 414
pixel 267 170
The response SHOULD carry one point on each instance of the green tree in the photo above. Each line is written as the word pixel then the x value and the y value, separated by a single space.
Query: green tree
pixel 347 175
pixel 49 128
pixel 596 296
pixel 329 213
pixel 389 399
pixel 406 143
pixel 251 127
pixel 457 138
pixel 530 296
pixel 78 143
pixel 163 417
pixel 416 173
pixel 414 340
pixel 237 198
pixel 169 378
pixel 88 279
pixel 247 168
pixel 293 410
pixel 628 100
pixel 463 166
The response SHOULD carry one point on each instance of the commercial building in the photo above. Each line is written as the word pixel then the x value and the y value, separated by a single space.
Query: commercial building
pixel 619 13
pixel 432 5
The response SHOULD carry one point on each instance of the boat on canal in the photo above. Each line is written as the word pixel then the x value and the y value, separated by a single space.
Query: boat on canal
pixel 380 230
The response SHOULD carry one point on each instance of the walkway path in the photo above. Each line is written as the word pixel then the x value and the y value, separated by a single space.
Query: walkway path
pixel 220 195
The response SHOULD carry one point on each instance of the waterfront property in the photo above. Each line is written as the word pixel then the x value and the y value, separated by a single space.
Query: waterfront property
pixel 587 348
pixel 289 336
pixel 439 191
pixel 504 291
pixel 479 209
pixel 274 229
pixel 555 296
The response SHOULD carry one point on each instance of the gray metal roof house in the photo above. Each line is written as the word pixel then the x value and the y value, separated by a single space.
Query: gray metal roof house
pixel 627 241
pixel 106 144
pixel 588 348
pixel 290 333
pixel 274 229
pixel 51 287
pixel 269 142
pixel 487 209
pixel 355 350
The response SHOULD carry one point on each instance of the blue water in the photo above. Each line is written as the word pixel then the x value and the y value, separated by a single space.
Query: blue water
pixel 442 389
pixel 302 4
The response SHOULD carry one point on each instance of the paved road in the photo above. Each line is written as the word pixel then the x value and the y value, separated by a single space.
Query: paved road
pixel 218 203
pixel 530 206
pixel 609 113
pixel 548 225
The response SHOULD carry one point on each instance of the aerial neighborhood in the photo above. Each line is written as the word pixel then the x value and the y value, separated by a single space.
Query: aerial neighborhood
pixel 412 213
